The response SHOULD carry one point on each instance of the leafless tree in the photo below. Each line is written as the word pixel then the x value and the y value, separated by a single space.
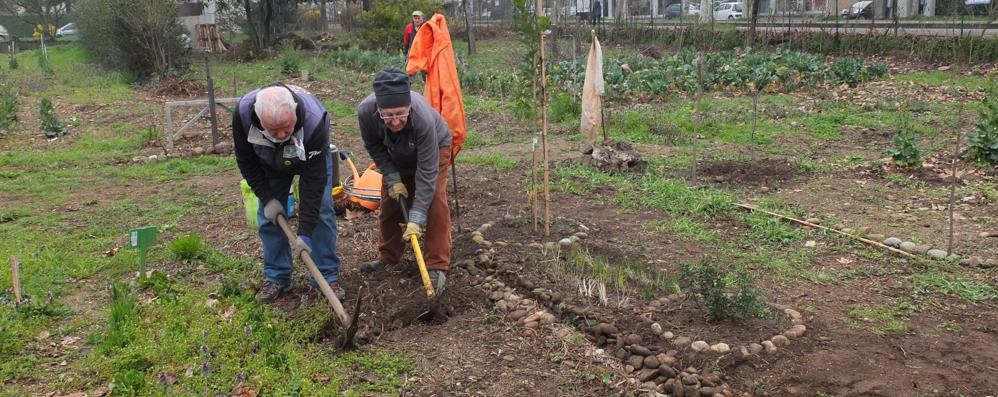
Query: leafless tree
pixel 44 12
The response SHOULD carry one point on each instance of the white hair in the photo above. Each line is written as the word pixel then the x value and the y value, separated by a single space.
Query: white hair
pixel 273 103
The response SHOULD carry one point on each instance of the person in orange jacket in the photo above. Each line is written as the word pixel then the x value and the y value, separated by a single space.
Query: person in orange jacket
pixel 410 31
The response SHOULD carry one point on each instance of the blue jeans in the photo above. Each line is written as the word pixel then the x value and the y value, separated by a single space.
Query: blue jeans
pixel 277 250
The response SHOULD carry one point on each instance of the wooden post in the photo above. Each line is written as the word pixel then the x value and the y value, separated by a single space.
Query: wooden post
pixel 953 180
pixel 544 132
pixel 211 102
pixel 15 277
pixel 533 182
pixel 697 116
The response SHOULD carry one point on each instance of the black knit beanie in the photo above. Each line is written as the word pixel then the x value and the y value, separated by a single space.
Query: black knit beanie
pixel 391 88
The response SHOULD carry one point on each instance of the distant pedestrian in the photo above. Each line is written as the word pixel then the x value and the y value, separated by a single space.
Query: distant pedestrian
pixel 410 31
pixel 597 12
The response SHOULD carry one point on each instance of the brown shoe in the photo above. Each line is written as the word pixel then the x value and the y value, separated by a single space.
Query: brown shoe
pixel 340 293
pixel 270 291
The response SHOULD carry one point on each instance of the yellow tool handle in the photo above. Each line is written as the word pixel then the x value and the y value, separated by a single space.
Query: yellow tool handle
pixel 423 274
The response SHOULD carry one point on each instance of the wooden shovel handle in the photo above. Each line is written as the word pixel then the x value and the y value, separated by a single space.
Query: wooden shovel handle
pixel 327 291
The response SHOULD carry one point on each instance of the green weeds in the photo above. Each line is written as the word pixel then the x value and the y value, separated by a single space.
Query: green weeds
pixel 51 125
pixel 953 285
pixel 495 161
pixel 8 107
pixel 882 319
pixel 685 228
pixel 905 150
pixel 624 276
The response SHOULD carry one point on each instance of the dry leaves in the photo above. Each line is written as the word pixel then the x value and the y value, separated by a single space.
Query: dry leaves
pixel 242 390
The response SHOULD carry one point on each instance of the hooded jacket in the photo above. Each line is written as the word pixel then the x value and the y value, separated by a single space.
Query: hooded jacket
pixel 433 52
pixel 260 159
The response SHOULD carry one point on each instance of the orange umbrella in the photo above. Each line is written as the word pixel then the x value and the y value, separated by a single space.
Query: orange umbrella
pixel 432 52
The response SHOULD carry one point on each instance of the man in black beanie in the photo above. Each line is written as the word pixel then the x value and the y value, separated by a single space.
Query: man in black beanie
pixel 410 143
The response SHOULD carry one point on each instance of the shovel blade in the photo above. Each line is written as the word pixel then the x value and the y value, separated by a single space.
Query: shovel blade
pixel 349 339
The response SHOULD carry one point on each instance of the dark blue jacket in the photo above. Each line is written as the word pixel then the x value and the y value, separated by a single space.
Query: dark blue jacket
pixel 260 159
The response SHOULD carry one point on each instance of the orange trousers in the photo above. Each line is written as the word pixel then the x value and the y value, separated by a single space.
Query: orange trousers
pixel 436 243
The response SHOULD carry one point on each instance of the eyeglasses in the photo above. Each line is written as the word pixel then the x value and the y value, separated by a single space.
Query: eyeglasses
pixel 387 117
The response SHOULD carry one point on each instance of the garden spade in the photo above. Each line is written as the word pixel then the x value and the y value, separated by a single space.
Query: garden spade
pixel 327 291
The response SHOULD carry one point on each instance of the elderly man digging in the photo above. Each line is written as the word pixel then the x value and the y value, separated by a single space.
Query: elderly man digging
pixel 281 131
pixel 410 143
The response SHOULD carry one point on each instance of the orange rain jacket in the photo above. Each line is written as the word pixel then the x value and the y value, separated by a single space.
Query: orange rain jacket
pixel 433 53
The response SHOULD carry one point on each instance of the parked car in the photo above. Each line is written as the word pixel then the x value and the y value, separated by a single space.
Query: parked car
pixel 673 10
pixel 693 10
pixel 728 11
pixel 860 9
pixel 3 34
pixel 976 7
pixel 68 29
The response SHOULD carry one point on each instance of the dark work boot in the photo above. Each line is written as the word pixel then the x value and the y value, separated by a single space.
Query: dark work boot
pixel 372 267
pixel 270 291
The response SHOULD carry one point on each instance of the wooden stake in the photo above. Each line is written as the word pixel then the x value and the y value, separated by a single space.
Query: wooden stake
pixel 15 276
pixel 809 224
pixel 544 132
pixel 952 185
pixel 533 182
pixel 697 116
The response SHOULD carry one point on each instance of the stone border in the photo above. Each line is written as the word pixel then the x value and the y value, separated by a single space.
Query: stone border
pixel 651 370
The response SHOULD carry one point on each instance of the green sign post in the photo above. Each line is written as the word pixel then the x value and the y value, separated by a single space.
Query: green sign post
pixel 141 239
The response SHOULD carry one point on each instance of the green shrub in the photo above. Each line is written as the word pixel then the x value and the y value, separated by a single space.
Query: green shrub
pixel 290 61
pixel 13 61
pixel 8 107
pixel 565 107
pixel 877 70
pixel 982 144
pixel 356 58
pixel 188 247
pixel 905 151
pixel 384 24
pixel 141 38
pixel 847 70
pixel 51 125
pixel 727 294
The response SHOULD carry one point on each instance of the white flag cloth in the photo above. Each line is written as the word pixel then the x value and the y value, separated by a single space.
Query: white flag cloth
pixel 592 93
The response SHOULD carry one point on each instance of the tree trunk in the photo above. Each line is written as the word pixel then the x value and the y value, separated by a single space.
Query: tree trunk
pixel 755 20
pixel 268 16
pixel 251 23
pixel 322 15
pixel 706 11
pixel 467 25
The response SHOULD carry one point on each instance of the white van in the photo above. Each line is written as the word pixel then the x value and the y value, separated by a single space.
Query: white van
pixel 728 11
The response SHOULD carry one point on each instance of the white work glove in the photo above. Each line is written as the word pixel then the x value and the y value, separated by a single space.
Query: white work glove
pixel 272 209
pixel 303 244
